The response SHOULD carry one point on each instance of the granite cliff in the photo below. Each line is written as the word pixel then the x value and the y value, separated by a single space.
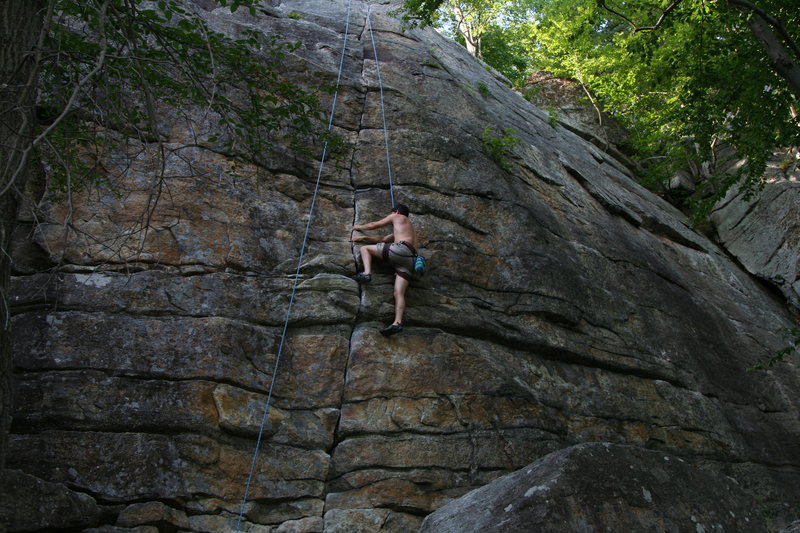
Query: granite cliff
pixel 570 321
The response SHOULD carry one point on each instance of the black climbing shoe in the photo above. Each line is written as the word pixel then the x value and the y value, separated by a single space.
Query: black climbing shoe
pixel 391 330
pixel 362 278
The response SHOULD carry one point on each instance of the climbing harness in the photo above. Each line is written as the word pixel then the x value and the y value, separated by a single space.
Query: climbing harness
pixel 296 278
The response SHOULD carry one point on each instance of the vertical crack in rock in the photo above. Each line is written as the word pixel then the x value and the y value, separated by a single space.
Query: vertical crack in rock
pixel 336 438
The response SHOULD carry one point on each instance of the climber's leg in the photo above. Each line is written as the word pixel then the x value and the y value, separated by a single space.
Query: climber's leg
pixel 400 286
pixel 366 253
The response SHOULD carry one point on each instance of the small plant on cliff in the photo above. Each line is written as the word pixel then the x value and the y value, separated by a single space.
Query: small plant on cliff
pixel 532 93
pixel 499 147
pixel 469 89
pixel 792 336
pixel 433 61
pixel 552 116
pixel 785 165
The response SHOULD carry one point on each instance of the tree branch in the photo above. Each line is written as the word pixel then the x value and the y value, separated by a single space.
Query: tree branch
pixel 764 27
pixel 635 26
pixel 745 5
pixel 64 112
pixel 781 49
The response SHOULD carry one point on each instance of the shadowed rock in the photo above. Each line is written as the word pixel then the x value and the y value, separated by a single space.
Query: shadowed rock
pixel 602 487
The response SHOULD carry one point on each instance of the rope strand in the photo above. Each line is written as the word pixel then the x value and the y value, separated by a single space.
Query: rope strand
pixel 383 112
pixel 295 281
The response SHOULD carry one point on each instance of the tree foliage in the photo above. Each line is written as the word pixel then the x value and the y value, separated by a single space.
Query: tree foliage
pixel 117 76
pixel 114 64
pixel 470 19
pixel 503 47
pixel 696 81
pixel 693 80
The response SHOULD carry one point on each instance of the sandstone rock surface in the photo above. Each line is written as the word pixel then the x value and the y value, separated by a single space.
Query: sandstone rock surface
pixel 31 504
pixel 602 487
pixel 564 305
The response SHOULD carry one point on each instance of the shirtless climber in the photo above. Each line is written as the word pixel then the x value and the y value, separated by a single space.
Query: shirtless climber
pixel 397 249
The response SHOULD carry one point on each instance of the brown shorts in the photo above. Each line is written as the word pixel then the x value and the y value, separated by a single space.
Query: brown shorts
pixel 400 255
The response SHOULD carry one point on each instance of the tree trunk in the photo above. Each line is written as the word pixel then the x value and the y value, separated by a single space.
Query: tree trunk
pixel 781 50
pixel 20 26
pixel 779 57
pixel 472 44
pixel 471 40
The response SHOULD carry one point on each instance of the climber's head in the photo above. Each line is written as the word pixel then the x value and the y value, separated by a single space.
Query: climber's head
pixel 401 208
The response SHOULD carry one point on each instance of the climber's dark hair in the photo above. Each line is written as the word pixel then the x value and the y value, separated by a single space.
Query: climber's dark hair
pixel 401 208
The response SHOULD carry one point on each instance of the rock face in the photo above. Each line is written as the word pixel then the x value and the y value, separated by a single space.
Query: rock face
pixel 564 305
pixel 569 104
pixel 602 487
pixel 763 232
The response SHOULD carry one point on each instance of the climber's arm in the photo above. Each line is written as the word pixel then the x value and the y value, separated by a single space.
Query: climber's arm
pixel 372 239
pixel 368 239
pixel 386 221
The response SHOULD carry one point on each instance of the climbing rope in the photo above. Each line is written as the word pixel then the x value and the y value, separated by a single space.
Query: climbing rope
pixel 296 279
pixel 383 112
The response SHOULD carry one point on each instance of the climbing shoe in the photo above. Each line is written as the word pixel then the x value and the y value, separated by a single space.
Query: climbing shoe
pixel 362 278
pixel 391 330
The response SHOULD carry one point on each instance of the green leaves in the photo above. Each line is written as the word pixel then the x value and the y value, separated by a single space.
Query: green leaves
pixel 499 147
pixel 153 53
pixel 790 335
pixel 236 4
pixel 697 83
pixel 695 89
